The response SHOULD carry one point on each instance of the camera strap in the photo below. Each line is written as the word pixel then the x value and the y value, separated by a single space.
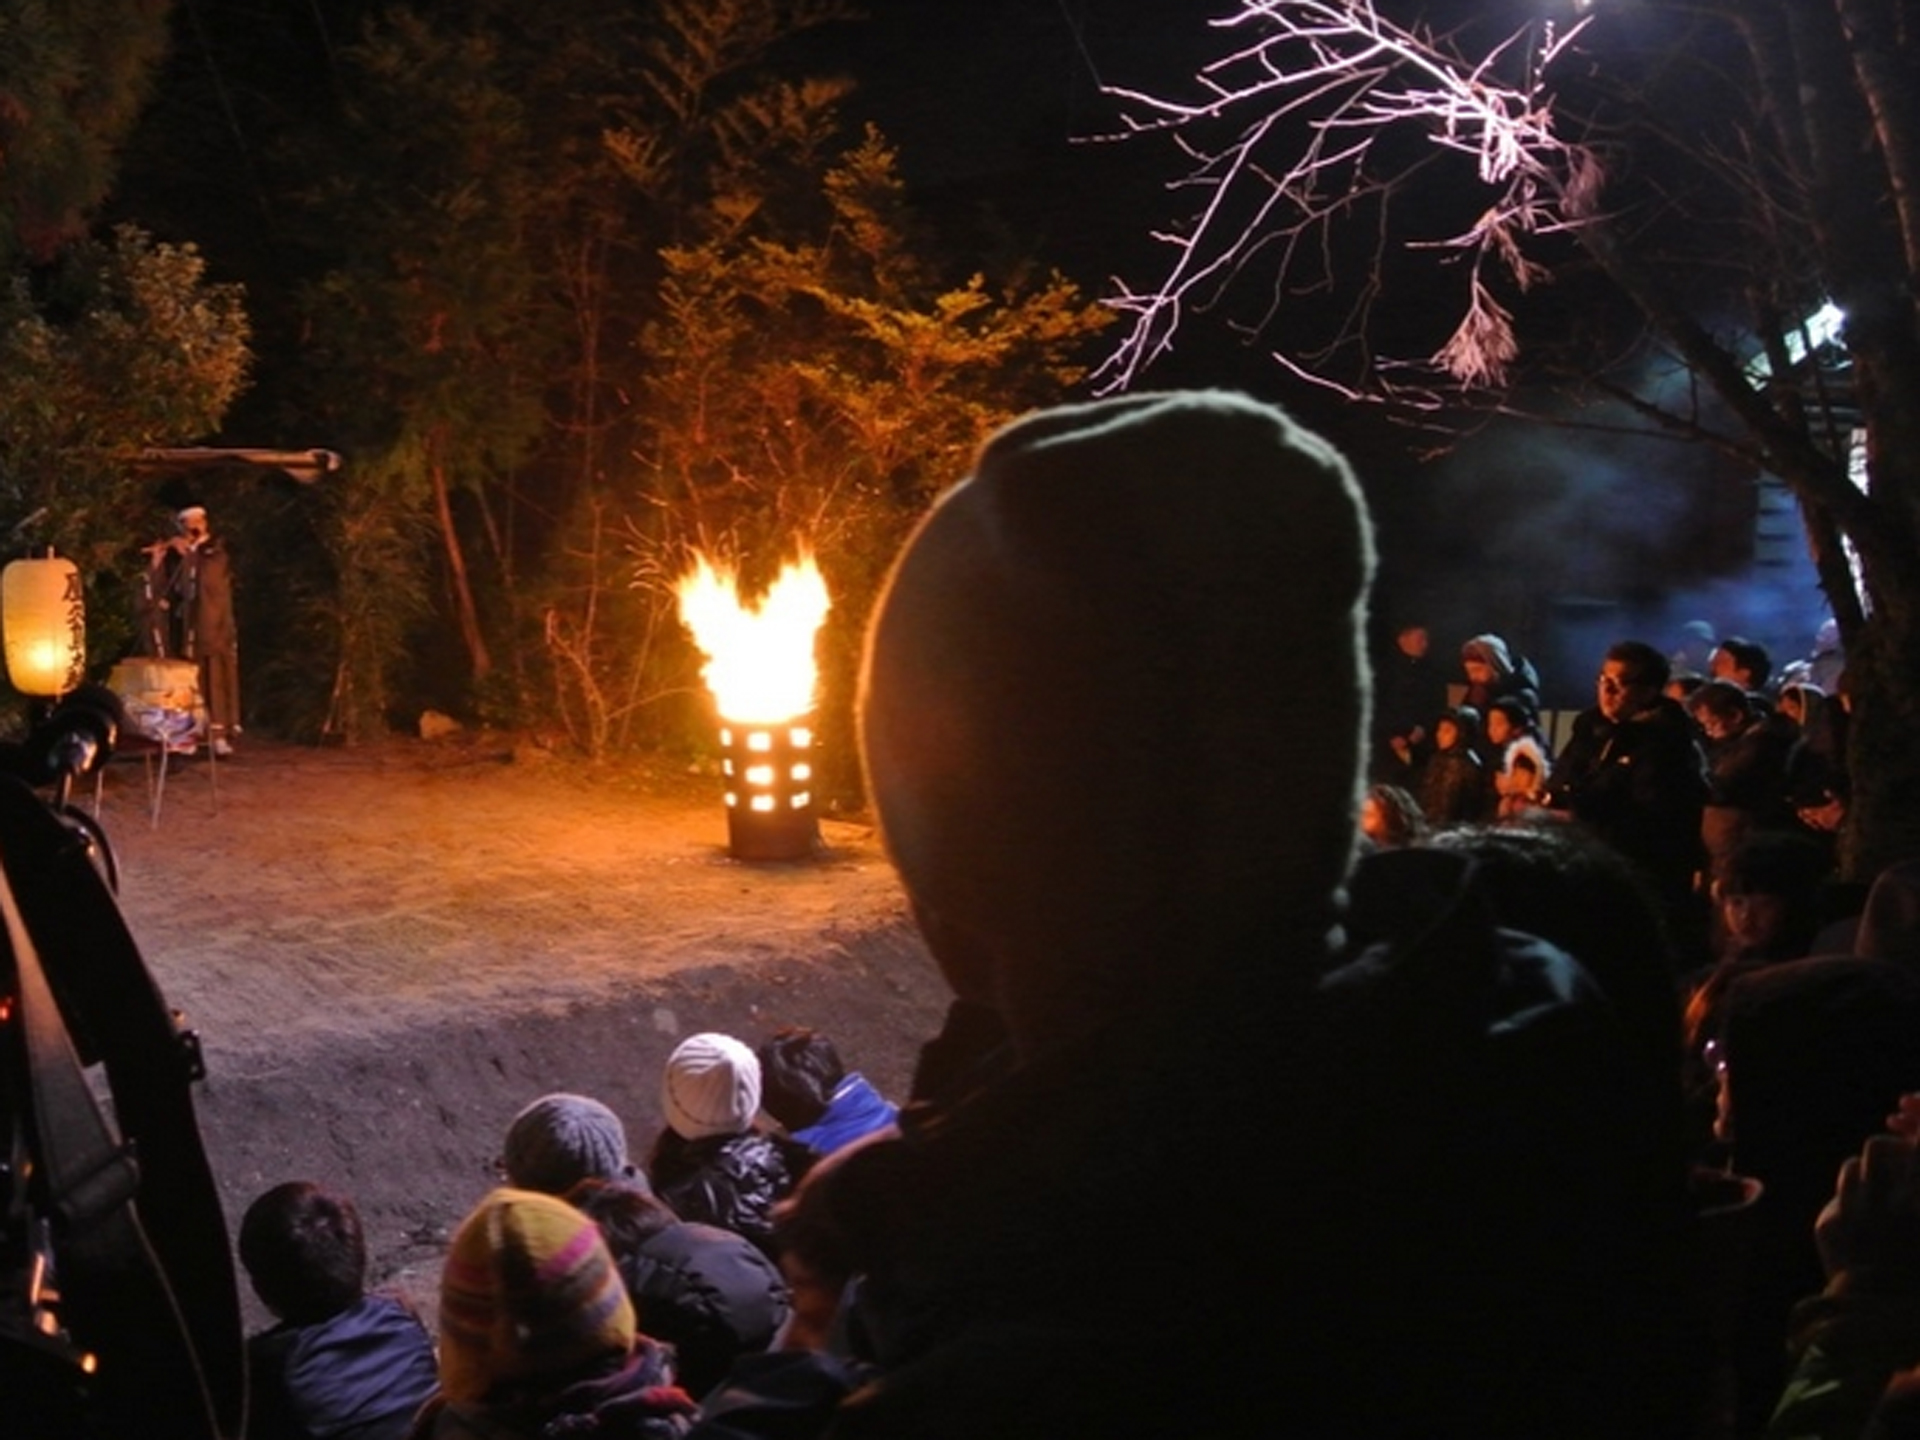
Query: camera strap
pixel 160 1317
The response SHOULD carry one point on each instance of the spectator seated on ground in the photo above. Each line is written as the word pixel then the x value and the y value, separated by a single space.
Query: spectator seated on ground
pixel 341 1364
pixel 806 1087
pixel 711 1163
pixel 560 1139
pixel 708 1292
pixel 538 1337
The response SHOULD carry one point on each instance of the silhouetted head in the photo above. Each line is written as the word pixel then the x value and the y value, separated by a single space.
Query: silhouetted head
pixel 1104 632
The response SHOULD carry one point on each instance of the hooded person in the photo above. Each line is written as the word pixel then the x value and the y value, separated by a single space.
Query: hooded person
pixel 538 1336
pixel 1111 597
pixel 1123 838
pixel 1492 670
pixel 1152 1210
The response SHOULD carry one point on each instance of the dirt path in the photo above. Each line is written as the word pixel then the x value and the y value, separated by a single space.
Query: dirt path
pixel 387 951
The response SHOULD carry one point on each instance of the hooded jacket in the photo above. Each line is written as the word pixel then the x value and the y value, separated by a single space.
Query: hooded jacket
pixel 857 1109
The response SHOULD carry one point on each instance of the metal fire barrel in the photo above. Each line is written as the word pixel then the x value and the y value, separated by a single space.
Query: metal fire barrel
pixel 769 773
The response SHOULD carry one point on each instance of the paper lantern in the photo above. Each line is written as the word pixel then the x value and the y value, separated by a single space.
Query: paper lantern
pixel 44 617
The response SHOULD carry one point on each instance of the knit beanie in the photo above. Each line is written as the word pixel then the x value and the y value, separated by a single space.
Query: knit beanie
pixel 711 1087
pixel 528 1293
pixel 560 1140
pixel 1115 693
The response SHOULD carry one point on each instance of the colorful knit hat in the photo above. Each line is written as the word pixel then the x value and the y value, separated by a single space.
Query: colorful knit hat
pixel 711 1087
pixel 529 1293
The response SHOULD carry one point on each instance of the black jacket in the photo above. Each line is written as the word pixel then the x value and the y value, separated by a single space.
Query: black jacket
pixel 1639 784
pixel 708 1292
pixel 732 1181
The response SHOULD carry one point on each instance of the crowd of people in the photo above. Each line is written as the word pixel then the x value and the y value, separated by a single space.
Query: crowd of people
pixel 547 1278
pixel 1498 1099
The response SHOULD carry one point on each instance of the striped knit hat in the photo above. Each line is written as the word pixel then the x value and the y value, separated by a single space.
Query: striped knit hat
pixel 529 1293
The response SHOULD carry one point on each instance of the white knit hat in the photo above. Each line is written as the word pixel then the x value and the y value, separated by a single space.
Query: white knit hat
pixel 711 1087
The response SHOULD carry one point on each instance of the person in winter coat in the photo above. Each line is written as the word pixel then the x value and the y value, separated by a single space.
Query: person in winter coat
pixel 710 1163
pixel 1522 764
pixel 1451 787
pixel 1410 689
pixel 1493 670
pixel 807 1087
pixel 1110 585
pixel 707 1292
pixel 1747 789
pixel 1633 774
pixel 538 1337
pixel 341 1364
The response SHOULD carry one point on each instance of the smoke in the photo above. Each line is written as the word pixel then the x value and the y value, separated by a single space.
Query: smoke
pixel 1566 538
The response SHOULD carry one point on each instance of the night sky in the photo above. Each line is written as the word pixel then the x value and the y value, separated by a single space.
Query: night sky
pixel 994 106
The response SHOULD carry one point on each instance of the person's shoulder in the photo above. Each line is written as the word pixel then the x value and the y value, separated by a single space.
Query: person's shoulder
pixel 1664 714
pixel 691 1245
pixel 376 1320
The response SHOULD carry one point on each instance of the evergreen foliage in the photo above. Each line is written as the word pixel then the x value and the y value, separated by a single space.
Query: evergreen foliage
pixel 118 345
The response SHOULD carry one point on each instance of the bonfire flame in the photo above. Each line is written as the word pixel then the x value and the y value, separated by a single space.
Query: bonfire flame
pixel 759 657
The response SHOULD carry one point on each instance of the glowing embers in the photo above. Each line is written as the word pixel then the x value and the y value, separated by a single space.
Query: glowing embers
pixel 769 771
pixel 760 668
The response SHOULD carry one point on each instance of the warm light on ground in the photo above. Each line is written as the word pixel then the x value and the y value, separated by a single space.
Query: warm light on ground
pixel 760 663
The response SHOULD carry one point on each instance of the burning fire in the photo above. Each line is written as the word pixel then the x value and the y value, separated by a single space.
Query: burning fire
pixel 759 658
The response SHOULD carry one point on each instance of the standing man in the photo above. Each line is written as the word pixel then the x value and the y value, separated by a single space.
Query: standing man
pixel 1634 774
pixel 193 577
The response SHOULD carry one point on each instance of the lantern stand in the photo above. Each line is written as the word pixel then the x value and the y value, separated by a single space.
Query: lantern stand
pixel 769 775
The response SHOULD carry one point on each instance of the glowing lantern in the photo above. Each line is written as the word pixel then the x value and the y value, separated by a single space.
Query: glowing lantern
pixel 761 671
pixel 45 620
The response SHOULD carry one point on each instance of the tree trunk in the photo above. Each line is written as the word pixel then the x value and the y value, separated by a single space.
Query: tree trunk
pixel 477 656
pixel 1883 677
